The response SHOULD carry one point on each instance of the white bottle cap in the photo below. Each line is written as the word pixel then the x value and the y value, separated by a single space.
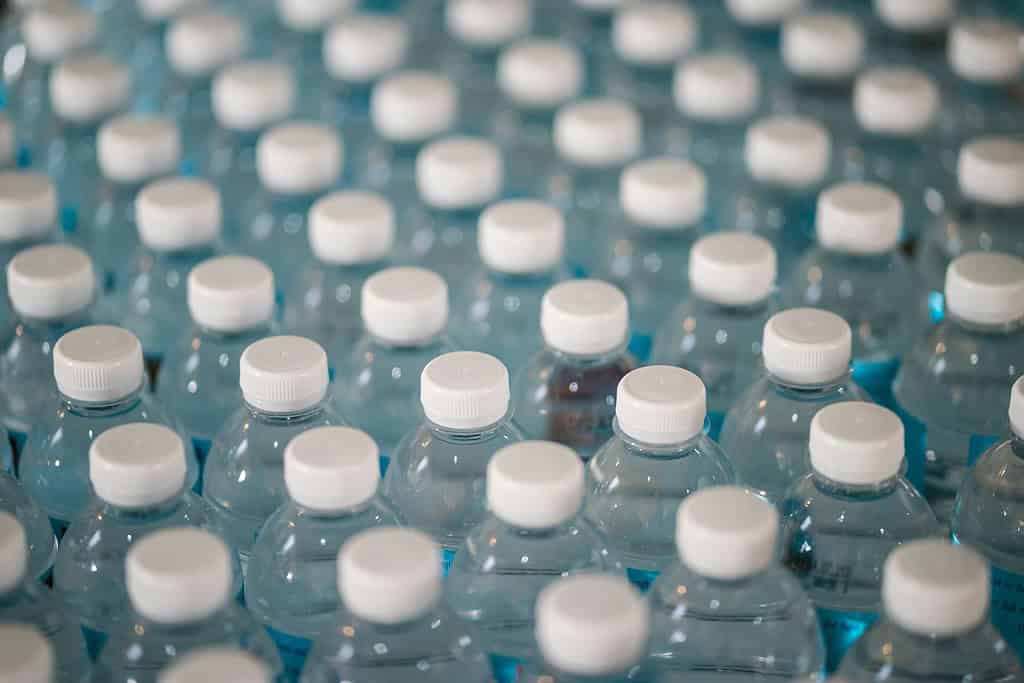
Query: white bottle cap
pixel 598 133
pixel 918 16
pixel 763 12
pixel 520 236
pixel 231 293
pixel 464 390
pixel 991 170
pixel 933 588
pixel 592 625
pixel 7 141
pixel 28 206
pixel 135 148
pixel 26 656
pixel 331 469
pixel 300 157
pixel 535 484
pixel 13 552
pixel 790 151
pixel 413 106
pixel 283 374
pixel 654 32
pixel 1017 407
pixel 822 45
pixel 895 101
pixel 488 24
pixel 986 288
pixel 88 88
pixel 540 74
pixel 163 10
pixel 726 533
pixel 732 268
pixel 178 576
pixel 986 50
pixel 807 346
pixel 584 317
pixel 661 405
pixel 663 193
pixel 405 306
pixel 351 227
pixel 859 218
pixel 389 575
pixel 137 465
pixel 216 664
pixel 98 364
pixel 309 16
pixel 459 173
pixel 176 214
pixel 54 30
pixel 363 47
pixel 251 96
pixel 50 281
pixel 856 443
pixel 717 87
pixel 201 42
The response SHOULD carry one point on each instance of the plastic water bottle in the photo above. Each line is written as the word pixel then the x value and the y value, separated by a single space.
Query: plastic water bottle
pixel 393 626
pixel 405 313
pixel 231 301
pixel 843 519
pixel 533 534
pixel 953 389
pixel 41 543
pixel 756 29
pixel 179 225
pixel 935 624
pixel 912 32
pixel 25 655
pixel 716 331
pixel 986 515
pixel 727 605
pixel 595 139
pixel 284 389
pixel 25 601
pixel 9 147
pixel 591 629
pixel 101 385
pixel 52 290
pixel 858 272
pixel 179 582
pixel 658 456
pixel 566 393
pixel 351 235
pixel 436 478
pixel 662 212
pixel 137 472
pixel 298 37
pixel 297 162
pixel 332 475
pixel 806 356
pixel 521 244
pixel 224 664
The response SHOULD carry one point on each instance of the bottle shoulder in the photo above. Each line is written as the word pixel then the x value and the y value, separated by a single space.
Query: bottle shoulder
pixel 496 548
pixel 774 592
pixel 767 408
pixel 294 531
pixel 620 460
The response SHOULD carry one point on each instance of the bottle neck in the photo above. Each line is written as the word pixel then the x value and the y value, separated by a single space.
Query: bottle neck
pixel 146 513
pixel 846 490
pixel 333 515
pixel 245 336
pixel 985 328
pixel 97 408
pixel 657 450
pixel 810 390
pixel 53 328
pixel 286 417
pixel 466 436
pixel 590 360
pixel 411 345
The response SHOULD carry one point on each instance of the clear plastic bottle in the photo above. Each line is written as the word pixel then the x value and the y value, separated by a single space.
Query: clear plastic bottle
pixel 987 516
pixel 28 204
pixel 806 356
pixel 52 290
pixel 332 475
pixel 393 627
pixel 756 29
pixel 843 519
pixel 533 534
pixel 935 625
pixel 179 582
pixel 437 475
pixel 297 38
pixel 23 600
pixel 222 664
pixel 727 606
pixel 857 271
pixel 231 301
pixel 566 393
pixel 521 244
pixel 953 389
pixel 662 211
pixel 41 543
pixel 284 390
pixel 405 312
pixel 716 331
pixel 101 384
pixel 591 629
pixel 25 655
pixel 9 146
pixel 912 33
pixel 658 456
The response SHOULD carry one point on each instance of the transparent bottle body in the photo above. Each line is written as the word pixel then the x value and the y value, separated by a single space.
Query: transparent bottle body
pixel 108 231
pixel 273 229
pixel 588 199
pixel 527 144
pixel 67 154
pixel 42 545
pixel 443 241
pixel 34 604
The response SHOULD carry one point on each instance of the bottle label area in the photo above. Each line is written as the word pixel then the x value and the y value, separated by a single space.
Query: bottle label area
pixel 1008 607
